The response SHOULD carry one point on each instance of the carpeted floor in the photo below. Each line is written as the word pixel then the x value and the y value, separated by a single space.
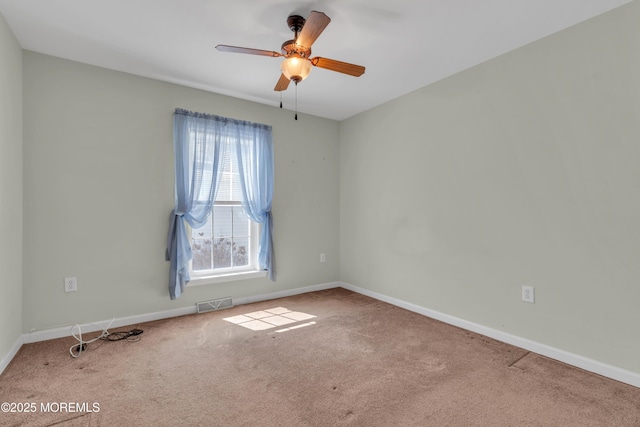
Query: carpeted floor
pixel 327 358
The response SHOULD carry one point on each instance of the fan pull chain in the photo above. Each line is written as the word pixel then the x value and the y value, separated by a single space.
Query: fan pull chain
pixel 280 99
pixel 296 100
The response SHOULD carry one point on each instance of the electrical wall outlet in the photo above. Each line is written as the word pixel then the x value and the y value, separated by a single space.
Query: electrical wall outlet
pixel 528 294
pixel 70 284
pixel 323 258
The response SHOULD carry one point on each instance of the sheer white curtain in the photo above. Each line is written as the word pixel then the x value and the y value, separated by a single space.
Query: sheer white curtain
pixel 200 141
pixel 198 145
pixel 255 163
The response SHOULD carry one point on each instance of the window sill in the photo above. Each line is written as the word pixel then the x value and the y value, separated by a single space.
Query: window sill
pixel 228 277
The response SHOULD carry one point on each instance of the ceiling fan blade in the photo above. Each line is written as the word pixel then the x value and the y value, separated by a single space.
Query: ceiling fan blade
pixel 312 28
pixel 282 84
pixel 236 49
pixel 339 66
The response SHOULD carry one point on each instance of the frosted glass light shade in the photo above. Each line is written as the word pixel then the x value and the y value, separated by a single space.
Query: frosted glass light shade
pixel 296 68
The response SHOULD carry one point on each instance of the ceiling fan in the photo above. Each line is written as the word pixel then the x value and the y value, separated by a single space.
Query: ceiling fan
pixel 297 65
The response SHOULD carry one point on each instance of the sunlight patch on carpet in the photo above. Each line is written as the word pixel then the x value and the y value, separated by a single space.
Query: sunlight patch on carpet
pixel 271 318
pixel 296 327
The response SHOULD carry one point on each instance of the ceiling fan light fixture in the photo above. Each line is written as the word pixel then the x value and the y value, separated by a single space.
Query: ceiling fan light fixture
pixel 296 68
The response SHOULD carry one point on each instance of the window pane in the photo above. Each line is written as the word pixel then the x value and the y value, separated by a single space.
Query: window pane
pixel 224 241
pixel 240 222
pixel 201 254
pixel 229 187
pixel 224 188
pixel 201 247
pixel 240 251
pixel 236 189
pixel 202 161
pixel 221 252
pixel 204 231
pixel 223 221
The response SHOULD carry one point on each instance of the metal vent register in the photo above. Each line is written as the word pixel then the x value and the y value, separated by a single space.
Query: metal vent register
pixel 213 305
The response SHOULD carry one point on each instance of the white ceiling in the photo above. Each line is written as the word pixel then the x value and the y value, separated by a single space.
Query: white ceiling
pixel 404 44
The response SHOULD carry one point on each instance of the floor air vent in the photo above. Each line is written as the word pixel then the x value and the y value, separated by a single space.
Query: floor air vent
pixel 213 305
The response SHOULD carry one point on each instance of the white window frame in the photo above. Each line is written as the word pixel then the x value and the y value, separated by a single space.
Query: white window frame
pixel 219 275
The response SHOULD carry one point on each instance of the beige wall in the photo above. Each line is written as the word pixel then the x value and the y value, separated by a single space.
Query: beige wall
pixel 524 170
pixel 98 177
pixel 10 189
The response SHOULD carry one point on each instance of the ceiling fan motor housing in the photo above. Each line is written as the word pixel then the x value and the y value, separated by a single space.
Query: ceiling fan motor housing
pixel 295 23
pixel 291 48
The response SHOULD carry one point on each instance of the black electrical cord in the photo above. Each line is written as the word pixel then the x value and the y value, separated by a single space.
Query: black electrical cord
pixel 131 335
pixel 76 350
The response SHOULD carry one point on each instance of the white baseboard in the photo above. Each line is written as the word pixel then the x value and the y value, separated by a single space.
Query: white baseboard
pixel 285 293
pixel 609 371
pixel 9 356
pixel 65 331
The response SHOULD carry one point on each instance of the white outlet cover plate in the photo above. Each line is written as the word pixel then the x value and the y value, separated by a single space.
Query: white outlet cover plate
pixel 70 284
pixel 528 294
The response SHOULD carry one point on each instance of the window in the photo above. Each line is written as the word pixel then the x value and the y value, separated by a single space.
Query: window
pixel 227 243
